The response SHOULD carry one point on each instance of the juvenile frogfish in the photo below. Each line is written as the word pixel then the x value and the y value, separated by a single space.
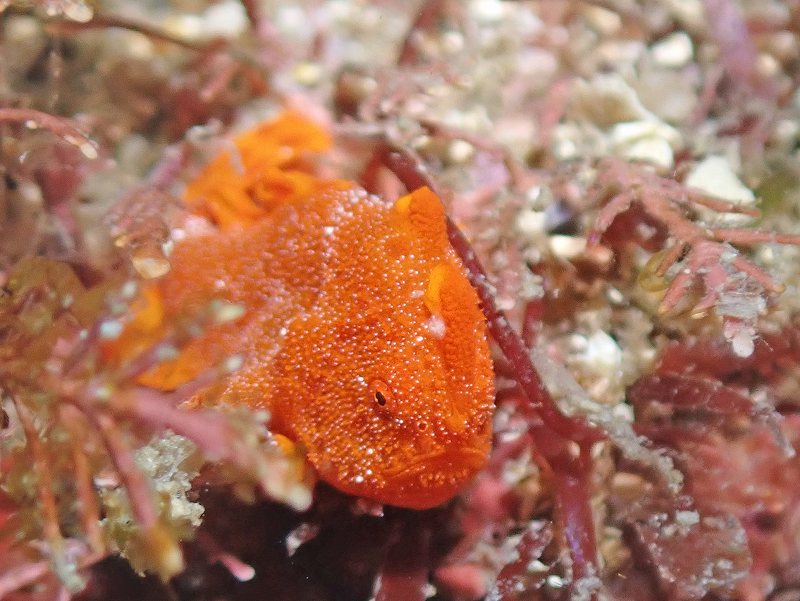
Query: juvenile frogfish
pixel 361 335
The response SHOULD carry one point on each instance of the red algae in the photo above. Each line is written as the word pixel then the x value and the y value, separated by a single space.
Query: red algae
pixel 738 454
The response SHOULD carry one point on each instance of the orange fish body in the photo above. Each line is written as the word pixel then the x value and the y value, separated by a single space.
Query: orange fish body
pixel 361 336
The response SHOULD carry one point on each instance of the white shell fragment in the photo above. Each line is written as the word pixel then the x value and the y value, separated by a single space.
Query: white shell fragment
pixel 531 223
pixel 715 176
pixel 673 51
pixel 602 353
pixel 226 19
pixel 607 99
pixel 567 247
pixel 616 121
pixel 652 141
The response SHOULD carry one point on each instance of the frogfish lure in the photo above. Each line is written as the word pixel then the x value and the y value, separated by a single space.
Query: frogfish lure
pixel 361 334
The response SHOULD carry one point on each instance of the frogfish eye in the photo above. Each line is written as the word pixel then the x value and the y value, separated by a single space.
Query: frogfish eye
pixel 381 393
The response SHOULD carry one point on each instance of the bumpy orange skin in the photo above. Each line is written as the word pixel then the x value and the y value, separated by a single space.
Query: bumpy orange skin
pixel 362 337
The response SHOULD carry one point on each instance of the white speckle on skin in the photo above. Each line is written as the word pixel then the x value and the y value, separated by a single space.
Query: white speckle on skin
pixel 110 330
pixel 129 289
pixel 227 312
pixel 435 326
pixel 233 363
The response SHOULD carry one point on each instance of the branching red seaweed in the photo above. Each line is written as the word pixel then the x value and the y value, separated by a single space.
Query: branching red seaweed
pixel 569 470
pixel 60 126
pixel 697 255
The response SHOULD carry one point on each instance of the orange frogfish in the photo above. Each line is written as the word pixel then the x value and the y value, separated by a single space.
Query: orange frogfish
pixel 361 334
